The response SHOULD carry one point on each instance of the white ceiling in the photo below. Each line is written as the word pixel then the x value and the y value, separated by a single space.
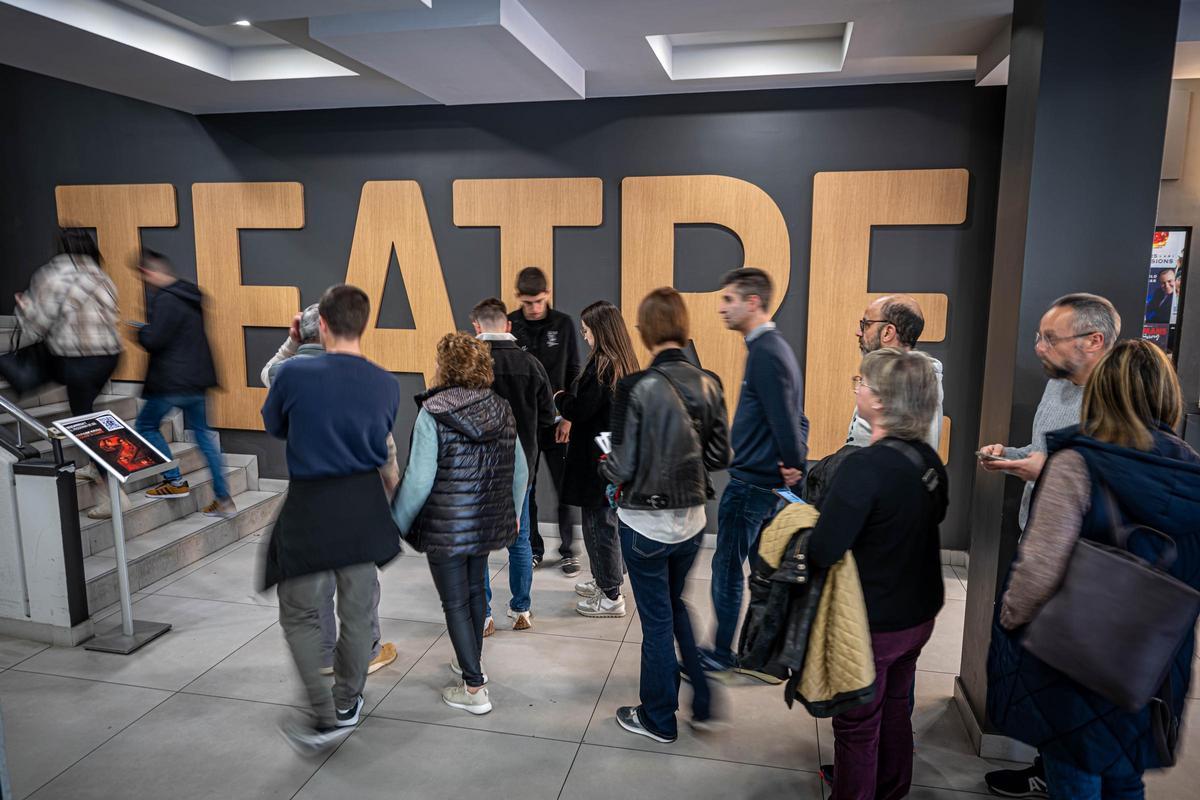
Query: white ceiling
pixel 188 54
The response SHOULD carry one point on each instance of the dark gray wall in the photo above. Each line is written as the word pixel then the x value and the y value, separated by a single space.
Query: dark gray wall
pixel 63 133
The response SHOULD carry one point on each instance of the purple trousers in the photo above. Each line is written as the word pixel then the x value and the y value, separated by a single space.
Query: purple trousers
pixel 873 743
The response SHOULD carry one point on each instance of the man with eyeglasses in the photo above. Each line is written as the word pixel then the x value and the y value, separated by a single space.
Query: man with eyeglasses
pixel 1071 339
pixel 894 321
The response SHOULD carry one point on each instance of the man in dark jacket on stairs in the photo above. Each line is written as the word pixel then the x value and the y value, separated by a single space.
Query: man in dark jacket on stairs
pixel 180 373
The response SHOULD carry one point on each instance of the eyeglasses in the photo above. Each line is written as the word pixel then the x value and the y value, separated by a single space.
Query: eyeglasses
pixel 863 324
pixel 857 381
pixel 1052 341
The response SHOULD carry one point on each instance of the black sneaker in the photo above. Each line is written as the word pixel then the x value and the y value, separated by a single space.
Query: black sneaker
pixel 629 719
pixel 348 718
pixel 310 741
pixel 570 566
pixel 537 560
pixel 1028 782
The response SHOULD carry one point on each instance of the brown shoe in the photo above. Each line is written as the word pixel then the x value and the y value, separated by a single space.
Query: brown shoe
pixel 173 491
pixel 223 508
pixel 522 620
pixel 489 627
pixel 387 654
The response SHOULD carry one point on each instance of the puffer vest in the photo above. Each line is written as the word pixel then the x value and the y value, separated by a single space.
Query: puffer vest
pixel 470 510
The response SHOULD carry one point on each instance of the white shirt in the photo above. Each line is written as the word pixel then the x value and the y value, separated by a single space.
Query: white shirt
pixel 666 525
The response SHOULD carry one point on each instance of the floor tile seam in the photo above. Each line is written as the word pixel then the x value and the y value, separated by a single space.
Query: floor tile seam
pixel 32 795
pixel 43 649
pixel 232 548
pixel 388 693
pixel 377 715
pixel 93 680
pixel 592 716
pixel 816 771
pixel 230 654
pixel 161 593
pixel 916 785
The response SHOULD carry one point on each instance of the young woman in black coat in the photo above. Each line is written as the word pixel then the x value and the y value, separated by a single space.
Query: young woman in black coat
pixel 587 406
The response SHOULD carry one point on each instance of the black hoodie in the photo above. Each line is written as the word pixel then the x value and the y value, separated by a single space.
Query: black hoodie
pixel 180 360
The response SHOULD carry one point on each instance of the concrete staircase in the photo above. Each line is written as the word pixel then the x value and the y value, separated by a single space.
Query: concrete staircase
pixel 162 535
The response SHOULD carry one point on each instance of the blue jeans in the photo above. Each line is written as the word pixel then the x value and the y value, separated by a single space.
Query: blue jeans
pixel 657 574
pixel 194 418
pixel 743 512
pixel 520 566
pixel 1067 782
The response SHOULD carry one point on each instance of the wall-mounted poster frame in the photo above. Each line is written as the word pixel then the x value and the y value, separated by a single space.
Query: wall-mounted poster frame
pixel 1165 281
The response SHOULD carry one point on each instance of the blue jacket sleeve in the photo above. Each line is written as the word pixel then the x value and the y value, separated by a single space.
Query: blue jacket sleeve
pixel 274 411
pixel 520 479
pixel 774 382
pixel 419 475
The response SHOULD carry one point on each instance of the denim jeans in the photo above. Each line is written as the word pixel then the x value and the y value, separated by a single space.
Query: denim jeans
pixel 460 581
pixel 603 547
pixel 1065 780
pixel 873 743
pixel 744 511
pixel 657 573
pixel 520 566
pixel 192 406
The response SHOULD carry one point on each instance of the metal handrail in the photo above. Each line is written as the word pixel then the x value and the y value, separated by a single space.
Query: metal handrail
pixel 41 430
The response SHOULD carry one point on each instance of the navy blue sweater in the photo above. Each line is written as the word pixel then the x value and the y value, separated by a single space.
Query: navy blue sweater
pixel 770 426
pixel 335 412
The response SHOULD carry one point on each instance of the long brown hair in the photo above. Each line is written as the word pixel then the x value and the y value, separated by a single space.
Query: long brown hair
pixel 1130 392
pixel 612 352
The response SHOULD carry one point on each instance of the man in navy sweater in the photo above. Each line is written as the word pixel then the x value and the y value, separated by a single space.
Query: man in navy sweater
pixel 770 449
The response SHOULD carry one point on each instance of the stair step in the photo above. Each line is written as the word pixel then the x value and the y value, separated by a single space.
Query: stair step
pixel 176 544
pixel 188 456
pixel 147 513
pixel 123 407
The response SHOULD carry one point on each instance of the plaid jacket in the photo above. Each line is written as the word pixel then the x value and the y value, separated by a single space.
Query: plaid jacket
pixel 73 308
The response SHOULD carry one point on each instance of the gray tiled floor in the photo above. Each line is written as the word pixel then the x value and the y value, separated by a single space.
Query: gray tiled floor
pixel 194 715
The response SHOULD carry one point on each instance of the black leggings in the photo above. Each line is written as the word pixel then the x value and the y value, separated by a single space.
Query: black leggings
pixel 556 461
pixel 461 582
pixel 84 377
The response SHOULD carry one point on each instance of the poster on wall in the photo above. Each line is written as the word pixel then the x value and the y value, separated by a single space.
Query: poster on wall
pixel 1164 287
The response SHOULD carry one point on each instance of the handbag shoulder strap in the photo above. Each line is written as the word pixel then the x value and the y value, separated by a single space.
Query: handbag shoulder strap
pixel 682 398
pixel 1120 531
pixel 929 476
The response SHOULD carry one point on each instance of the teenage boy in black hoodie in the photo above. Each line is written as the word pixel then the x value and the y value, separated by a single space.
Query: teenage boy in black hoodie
pixel 179 375
pixel 550 336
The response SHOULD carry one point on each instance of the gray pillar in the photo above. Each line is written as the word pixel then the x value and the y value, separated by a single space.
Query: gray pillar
pixel 1085 117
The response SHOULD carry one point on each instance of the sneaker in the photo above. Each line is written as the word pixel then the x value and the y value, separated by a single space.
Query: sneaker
pixel 537 560
pixel 765 675
pixel 1028 782
pixel 587 588
pixel 223 508
pixel 710 725
pixel 570 566
pixel 348 717
pixel 88 473
pixel 457 670
pixel 456 696
pixel 522 620
pixel 714 669
pixel 489 627
pixel 170 490
pixel 629 719
pixel 598 605
pixel 387 654
pixel 310 741
pixel 103 507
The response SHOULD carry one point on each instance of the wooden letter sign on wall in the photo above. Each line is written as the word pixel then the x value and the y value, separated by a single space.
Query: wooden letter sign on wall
pixel 221 210
pixel 845 207
pixel 117 212
pixel 391 214
pixel 527 210
pixel 651 208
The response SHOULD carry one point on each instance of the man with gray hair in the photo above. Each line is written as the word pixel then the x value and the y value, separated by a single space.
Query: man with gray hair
pixel 1077 331
pixel 304 341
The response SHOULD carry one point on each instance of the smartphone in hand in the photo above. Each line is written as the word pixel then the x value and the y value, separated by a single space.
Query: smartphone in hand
pixel 982 456
pixel 789 495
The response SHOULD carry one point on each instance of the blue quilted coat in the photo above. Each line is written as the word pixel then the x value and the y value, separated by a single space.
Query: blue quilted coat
pixel 1040 706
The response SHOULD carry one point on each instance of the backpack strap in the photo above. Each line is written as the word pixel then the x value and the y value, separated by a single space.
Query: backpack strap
pixel 929 476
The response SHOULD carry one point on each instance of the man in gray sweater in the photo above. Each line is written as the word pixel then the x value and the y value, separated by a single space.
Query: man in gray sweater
pixel 1077 331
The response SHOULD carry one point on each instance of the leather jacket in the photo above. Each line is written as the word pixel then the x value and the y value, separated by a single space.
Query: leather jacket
pixel 670 427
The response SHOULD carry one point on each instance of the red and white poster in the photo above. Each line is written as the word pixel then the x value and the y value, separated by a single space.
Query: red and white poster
pixel 1164 287
pixel 113 444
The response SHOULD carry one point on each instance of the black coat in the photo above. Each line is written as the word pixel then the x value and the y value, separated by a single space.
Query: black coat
pixel 521 380
pixel 588 407
pixel 469 511
pixel 552 340
pixel 180 360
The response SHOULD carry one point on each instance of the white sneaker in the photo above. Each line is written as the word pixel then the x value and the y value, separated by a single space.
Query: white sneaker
pixel 456 696
pixel 522 620
pixel 600 606
pixel 457 670
pixel 587 588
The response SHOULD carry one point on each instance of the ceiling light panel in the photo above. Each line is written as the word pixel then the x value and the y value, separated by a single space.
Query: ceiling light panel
pixel 795 50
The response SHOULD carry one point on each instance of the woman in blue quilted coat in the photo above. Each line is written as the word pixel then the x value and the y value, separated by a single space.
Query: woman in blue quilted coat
pixel 1131 404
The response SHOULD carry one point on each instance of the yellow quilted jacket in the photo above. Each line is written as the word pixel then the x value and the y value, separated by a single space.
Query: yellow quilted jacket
pixel 839 664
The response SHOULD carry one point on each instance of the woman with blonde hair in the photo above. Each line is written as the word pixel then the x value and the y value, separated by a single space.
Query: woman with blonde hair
pixel 1123 457
pixel 588 406
pixel 461 497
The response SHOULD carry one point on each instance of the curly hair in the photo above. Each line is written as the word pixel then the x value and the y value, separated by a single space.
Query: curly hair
pixel 463 360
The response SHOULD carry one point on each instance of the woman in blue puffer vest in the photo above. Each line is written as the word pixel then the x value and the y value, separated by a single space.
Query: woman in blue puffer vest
pixel 1125 442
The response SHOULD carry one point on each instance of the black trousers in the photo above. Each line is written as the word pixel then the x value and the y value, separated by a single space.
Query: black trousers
pixel 556 461
pixel 84 377
pixel 461 582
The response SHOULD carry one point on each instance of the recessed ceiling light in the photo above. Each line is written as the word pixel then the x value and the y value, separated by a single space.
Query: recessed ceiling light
pixel 245 23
